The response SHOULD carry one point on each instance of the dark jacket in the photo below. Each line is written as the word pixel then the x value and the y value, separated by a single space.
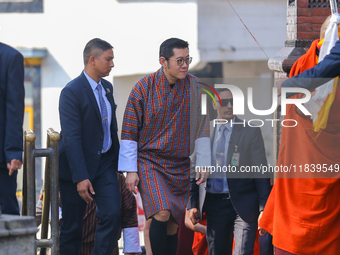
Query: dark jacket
pixel 12 94
pixel 82 133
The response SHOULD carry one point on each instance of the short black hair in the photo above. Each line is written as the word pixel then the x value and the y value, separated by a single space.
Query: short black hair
pixel 94 45
pixel 166 49
pixel 221 90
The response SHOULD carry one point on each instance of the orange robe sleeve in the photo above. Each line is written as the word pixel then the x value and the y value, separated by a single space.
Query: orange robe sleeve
pixel 306 61
pixel 303 214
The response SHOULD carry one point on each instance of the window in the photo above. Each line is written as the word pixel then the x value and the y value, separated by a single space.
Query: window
pixel 30 6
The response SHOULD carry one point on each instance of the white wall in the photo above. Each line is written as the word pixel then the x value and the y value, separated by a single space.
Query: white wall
pixel 122 89
pixel 134 28
pixel 219 25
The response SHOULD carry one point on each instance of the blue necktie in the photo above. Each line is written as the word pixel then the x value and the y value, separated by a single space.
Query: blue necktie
pixel 220 158
pixel 103 110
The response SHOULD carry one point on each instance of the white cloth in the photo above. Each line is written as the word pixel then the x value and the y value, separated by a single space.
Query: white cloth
pixel 127 161
pixel 131 240
pixel 203 152
pixel 315 104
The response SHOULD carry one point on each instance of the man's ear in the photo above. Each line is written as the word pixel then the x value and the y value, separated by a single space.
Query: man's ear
pixel 163 62
pixel 92 60
pixel 213 104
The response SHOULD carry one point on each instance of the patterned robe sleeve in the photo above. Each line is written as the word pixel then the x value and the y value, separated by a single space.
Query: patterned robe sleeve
pixel 202 141
pixel 132 123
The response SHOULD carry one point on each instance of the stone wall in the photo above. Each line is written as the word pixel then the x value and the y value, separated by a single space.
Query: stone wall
pixel 17 235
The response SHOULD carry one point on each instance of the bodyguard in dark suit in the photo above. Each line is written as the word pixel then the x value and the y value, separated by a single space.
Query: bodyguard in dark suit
pixel 88 152
pixel 12 105
pixel 232 205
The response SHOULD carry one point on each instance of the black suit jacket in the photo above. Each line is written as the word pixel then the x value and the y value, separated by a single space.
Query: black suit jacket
pixel 82 132
pixel 12 94
pixel 248 195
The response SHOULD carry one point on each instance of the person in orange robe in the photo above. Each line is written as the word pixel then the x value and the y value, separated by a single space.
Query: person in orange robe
pixel 303 214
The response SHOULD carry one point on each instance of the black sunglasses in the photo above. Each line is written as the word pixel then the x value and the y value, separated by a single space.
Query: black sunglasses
pixel 225 102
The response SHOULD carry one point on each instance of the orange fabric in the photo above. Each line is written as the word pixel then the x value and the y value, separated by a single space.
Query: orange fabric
pixel 257 245
pixel 200 245
pixel 303 214
pixel 306 61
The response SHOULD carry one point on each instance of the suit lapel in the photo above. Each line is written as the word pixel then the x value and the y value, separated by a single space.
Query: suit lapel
pixel 234 139
pixel 109 97
pixel 108 94
pixel 89 92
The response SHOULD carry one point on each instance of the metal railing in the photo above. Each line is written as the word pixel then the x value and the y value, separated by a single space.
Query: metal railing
pixel 51 187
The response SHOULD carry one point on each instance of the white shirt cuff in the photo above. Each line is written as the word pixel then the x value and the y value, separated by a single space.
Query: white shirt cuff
pixel 60 213
pixel 203 151
pixel 131 240
pixel 127 161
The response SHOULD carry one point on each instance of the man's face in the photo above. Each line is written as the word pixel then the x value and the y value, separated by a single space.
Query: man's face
pixel 172 70
pixel 225 111
pixel 104 63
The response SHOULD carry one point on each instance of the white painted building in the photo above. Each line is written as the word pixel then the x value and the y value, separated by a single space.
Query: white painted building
pixel 136 28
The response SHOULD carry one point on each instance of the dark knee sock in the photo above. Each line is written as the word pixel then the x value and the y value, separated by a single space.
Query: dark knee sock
pixel 158 237
pixel 171 244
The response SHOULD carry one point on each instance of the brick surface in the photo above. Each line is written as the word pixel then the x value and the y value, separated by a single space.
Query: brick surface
pixel 302 3
pixel 304 12
pixel 302 20
pixel 321 11
pixel 308 35
pixel 316 27
pixel 304 27
pixel 318 19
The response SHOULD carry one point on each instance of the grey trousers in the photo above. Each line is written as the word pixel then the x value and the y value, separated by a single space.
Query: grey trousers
pixel 224 224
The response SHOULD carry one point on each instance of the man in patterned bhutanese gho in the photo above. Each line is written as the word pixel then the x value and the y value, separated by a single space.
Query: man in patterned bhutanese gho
pixel 160 120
